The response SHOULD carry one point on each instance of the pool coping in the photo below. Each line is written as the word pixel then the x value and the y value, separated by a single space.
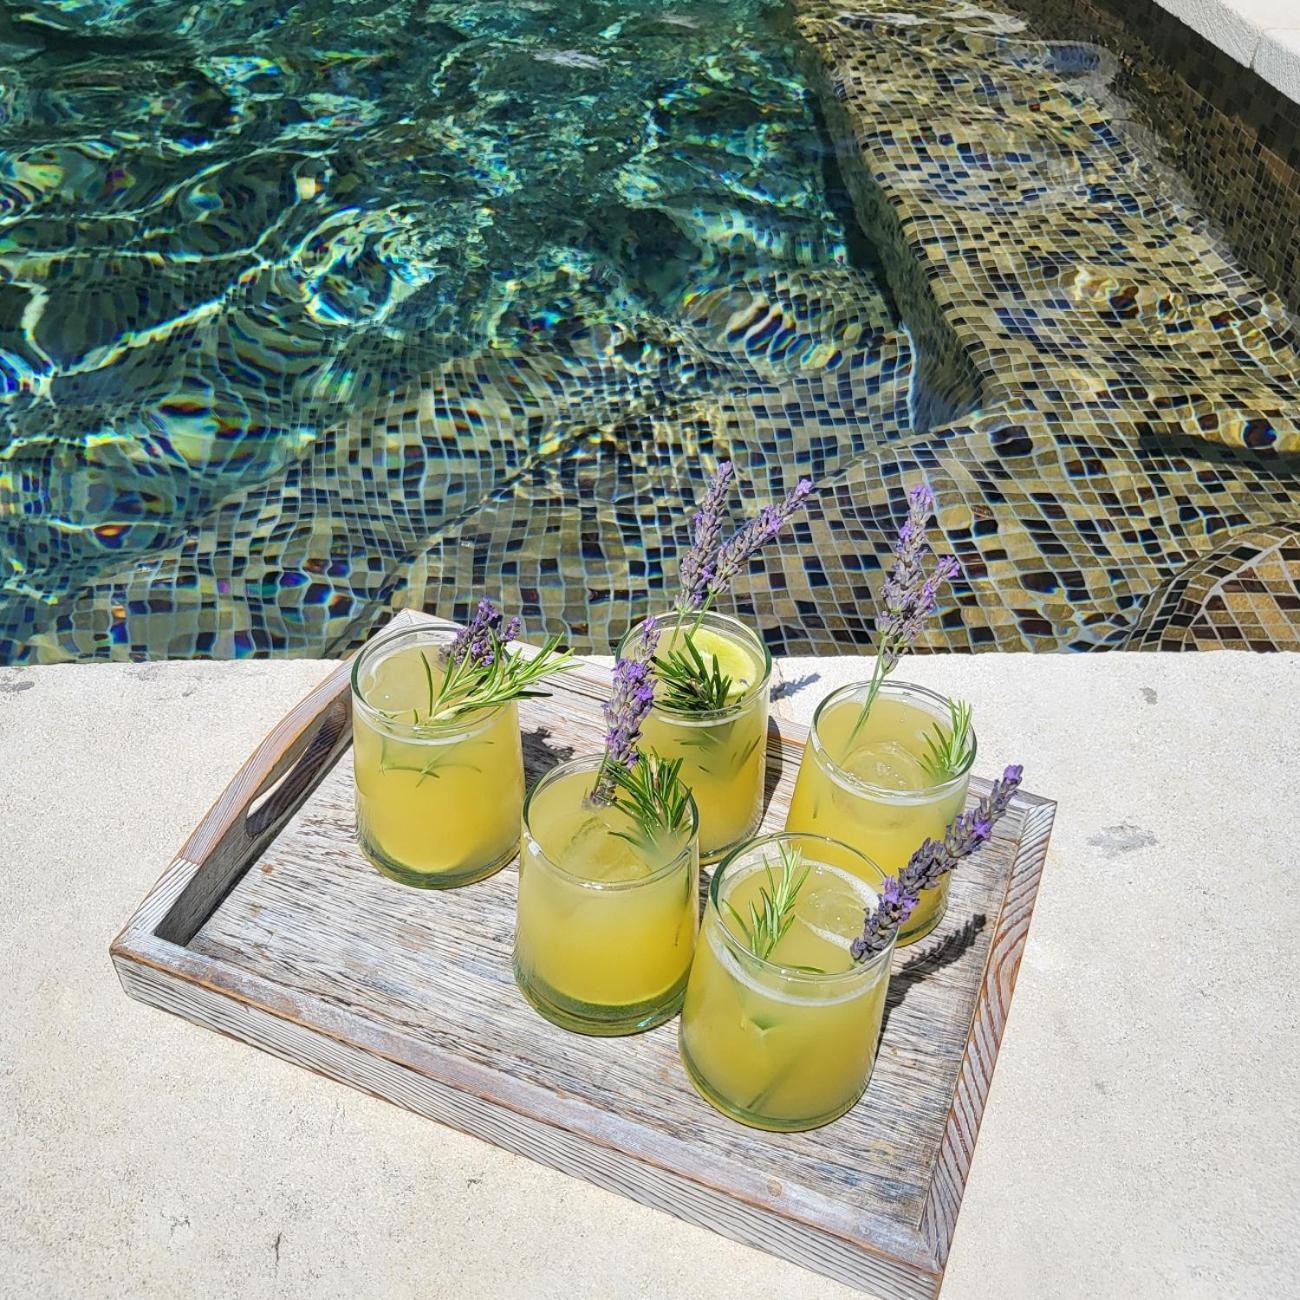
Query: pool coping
pixel 1263 35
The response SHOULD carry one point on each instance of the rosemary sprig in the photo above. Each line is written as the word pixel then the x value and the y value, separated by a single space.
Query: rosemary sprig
pixel 773 915
pixel 949 752
pixel 687 683
pixel 469 683
pixel 652 794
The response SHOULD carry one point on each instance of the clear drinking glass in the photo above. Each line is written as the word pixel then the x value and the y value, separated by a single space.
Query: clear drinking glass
pixel 786 1041
pixel 872 789
pixel 438 804
pixel 606 925
pixel 723 753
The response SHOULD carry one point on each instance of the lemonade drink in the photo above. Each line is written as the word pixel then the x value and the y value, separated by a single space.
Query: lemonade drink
pixel 723 752
pixel 871 788
pixel 606 927
pixel 438 805
pixel 785 1041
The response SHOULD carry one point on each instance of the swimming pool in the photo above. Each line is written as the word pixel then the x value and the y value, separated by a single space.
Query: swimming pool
pixel 311 309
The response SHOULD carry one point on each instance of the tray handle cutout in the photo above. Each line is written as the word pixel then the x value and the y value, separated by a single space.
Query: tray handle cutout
pixel 285 768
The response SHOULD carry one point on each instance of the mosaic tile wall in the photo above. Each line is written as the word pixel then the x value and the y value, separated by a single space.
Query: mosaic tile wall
pixel 1232 135
pixel 1102 396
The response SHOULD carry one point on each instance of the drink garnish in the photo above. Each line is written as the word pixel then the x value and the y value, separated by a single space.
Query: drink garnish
pixel 930 863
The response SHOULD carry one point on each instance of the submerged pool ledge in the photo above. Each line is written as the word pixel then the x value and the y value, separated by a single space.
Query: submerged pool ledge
pixel 1130 458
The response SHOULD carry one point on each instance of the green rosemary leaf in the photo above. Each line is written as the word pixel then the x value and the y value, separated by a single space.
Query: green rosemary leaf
pixel 428 677
pixel 742 759
pixel 652 795
pixel 773 914
pixel 468 685
pixel 687 683
pixel 948 752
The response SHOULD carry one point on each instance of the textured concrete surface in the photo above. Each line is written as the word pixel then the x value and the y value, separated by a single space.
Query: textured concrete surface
pixel 1136 1142
pixel 1254 32
pixel 1277 57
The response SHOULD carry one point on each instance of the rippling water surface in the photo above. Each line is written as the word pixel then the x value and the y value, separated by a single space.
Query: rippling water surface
pixel 224 227
pixel 312 309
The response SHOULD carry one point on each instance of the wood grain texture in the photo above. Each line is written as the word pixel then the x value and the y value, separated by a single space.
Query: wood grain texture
pixel 271 927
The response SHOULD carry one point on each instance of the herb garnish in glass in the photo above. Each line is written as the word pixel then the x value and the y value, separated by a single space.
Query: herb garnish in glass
pixel 609 876
pixel 780 1023
pixel 888 763
pixel 711 707
pixel 436 748
pixel 786 999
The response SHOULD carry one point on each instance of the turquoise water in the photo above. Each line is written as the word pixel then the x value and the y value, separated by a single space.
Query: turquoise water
pixel 227 227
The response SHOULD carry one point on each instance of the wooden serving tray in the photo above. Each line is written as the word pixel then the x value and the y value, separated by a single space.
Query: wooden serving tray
pixel 271 927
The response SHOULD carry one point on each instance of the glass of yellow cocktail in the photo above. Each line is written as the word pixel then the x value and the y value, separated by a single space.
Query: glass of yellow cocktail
pixel 781 1022
pixel 608 910
pixel 436 749
pixel 886 782
pixel 712 672
pixel 723 750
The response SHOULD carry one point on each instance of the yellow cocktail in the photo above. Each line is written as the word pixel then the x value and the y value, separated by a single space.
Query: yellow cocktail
pixel 724 750
pixel 438 804
pixel 606 924
pixel 785 1040
pixel 874 787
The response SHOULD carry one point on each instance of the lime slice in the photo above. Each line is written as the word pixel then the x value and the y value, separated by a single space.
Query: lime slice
pixel 732 660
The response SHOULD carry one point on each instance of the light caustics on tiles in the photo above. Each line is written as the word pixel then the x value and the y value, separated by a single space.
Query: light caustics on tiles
pixel 400 303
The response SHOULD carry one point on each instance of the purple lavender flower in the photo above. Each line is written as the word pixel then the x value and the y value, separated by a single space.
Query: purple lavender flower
pixel 647 640
pixel 892 908
pixel 706 536
pixel 626 710
pixel 909 595
pixel 931 862
pixel 737 550
pixel 477 640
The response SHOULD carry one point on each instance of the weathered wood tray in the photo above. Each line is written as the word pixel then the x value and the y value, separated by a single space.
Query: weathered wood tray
pixel 272 928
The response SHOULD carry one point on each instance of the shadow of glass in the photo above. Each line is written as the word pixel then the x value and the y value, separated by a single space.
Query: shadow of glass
pixel 926 962
pixel 540 755
pixel 775 763
pixel 793 686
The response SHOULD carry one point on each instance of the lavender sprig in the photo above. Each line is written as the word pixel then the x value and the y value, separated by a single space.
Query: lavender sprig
pixel 909 596
pixel 746 542
pixel 475 641
pixel 930 863
pixel 691 684
pixel 893 907
pixel 697 567
pixel 626 710
pixel 480 672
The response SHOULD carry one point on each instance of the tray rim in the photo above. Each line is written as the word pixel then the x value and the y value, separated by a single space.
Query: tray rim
pixel 155 965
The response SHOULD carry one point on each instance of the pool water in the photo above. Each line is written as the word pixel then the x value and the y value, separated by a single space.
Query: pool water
pixel 230 227
pixel 309 309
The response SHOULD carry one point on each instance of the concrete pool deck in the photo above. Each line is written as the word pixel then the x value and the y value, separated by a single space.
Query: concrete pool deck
pixel 1263 35
pixel 1134 1143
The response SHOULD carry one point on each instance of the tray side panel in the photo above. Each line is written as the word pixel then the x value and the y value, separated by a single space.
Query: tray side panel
pixel 572 1154
pixel 939 1220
